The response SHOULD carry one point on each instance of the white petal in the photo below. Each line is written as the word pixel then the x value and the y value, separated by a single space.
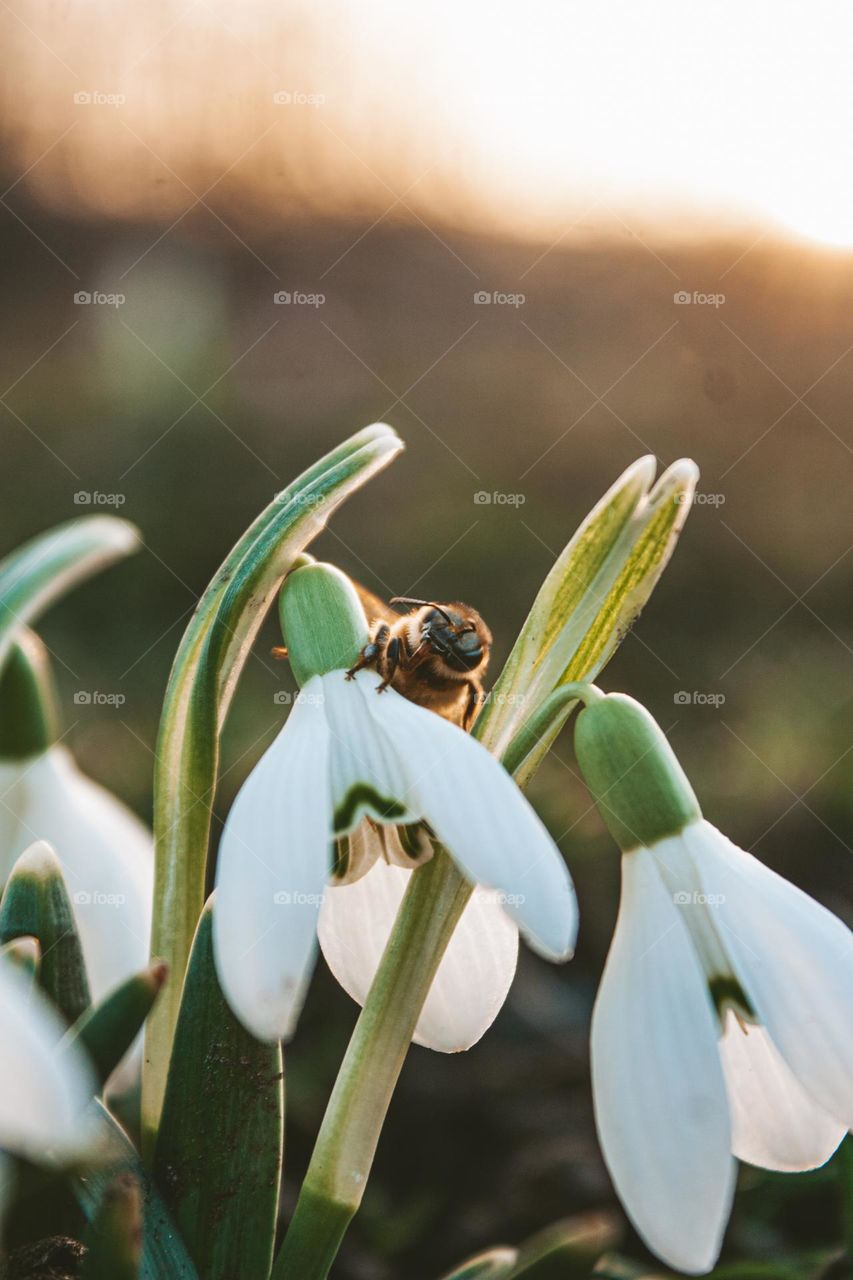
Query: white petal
pixel 367 776
pixel 775 1124
pixel 478 812
pixel 107 859
pixel 274 858
pixel 794 960
pixel 44 1091
pixel 660 1097
pixel 475 973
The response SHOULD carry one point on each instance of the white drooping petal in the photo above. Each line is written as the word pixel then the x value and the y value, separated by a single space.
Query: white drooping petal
pixel 478 812
pixel 107 859
pixel 658 1087
pixel 44 1089
pixel 794 960
pixel 775 1124
pixel 274 859
pixel 475 973
pixel 367 776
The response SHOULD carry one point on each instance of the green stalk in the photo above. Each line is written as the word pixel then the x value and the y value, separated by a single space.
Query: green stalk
pixel 204 677
pixel 589 600
pixel 343 1155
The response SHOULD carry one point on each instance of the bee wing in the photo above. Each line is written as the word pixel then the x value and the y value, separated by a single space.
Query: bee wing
pixel 377 609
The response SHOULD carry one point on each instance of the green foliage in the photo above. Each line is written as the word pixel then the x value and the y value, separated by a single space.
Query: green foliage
pixel 495 1264
pixel 107 1030
pixel 204 675
pixel 114 1236
pixel 164 1256
pixel 219 1149
pixel 43 569
pixel 566 1250
pixel 35 904
pixel 587 603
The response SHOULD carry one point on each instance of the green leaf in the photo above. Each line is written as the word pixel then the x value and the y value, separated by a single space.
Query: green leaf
pixel 36 904
pixel 29 713
pixel 566 1250
pixel 219 1150
pixel 204 675
pixel 107 1030
pixel 114 1236
pixel 494 1264
pixel 590 599
pixel 47 566
pixel 164 1255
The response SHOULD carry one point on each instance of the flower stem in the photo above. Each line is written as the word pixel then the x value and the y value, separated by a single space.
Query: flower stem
pixel 343 1155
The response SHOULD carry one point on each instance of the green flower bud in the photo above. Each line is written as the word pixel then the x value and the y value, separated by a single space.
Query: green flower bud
pixel 29 716
pixel 323 623
pixel 641 790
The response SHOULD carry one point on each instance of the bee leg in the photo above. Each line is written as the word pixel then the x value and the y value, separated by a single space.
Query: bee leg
pixel 389 664
pixel 372 653
pixel 475 698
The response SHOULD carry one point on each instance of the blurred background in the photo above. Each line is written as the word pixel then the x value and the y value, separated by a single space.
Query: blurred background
pixel 540 242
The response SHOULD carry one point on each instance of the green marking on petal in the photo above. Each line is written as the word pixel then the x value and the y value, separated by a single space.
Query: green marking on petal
pixel 409 840
pixel 363 796
pixel 727 993
pixel 342 858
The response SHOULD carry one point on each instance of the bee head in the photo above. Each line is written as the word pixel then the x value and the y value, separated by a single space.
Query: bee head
pixel 454 633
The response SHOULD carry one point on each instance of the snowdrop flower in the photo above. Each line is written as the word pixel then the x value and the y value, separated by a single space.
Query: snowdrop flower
pixel 724 1022
pixel 347 753
pixel 105 852
pixel 44 1088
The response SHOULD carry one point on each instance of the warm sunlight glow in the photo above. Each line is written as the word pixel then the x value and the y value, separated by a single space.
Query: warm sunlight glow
pixel 689 117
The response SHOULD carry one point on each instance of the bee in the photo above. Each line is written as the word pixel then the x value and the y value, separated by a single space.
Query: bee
pixel 435 655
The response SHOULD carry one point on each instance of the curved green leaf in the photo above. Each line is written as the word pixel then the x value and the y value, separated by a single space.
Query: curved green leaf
pixel 591 597
pixel 108 1029
pixel 206 669
pixel 219 1149
pixel 37 573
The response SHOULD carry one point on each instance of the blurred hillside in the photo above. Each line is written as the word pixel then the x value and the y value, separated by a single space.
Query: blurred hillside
pixel 184 396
